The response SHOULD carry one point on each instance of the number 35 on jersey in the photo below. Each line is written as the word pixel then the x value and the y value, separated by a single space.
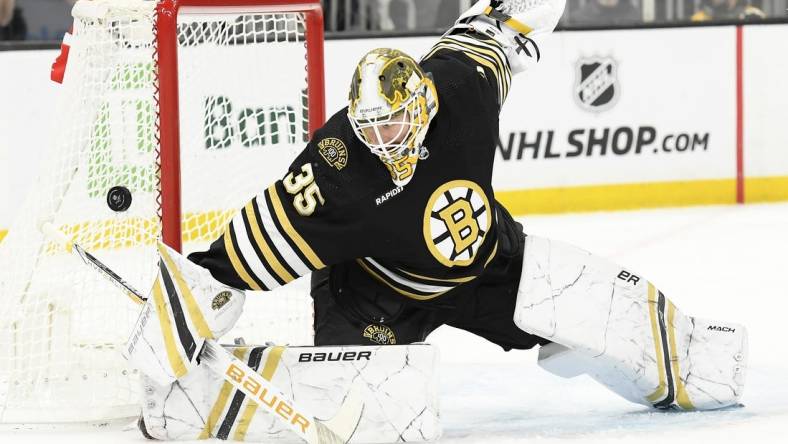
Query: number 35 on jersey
pixel 305 191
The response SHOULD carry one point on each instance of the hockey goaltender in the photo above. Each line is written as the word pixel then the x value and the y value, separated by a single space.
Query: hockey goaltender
pixel 391 208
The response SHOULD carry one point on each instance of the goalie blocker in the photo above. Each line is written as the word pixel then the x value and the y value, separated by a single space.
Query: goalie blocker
pixel 396 386
pixel 186 307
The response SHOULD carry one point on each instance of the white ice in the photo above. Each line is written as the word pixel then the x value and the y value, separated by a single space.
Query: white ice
pixel 724 262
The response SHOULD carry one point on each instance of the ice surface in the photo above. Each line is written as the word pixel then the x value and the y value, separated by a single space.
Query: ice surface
pixel 725 262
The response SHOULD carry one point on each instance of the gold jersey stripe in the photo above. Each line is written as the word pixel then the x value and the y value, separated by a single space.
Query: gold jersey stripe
pixel 426 278
pixel 417 297
pixel 299 241
pixel 270 258
pixel 174 355
pixel 271 364
pixel 490 66
pixel 188 298
pixel 459 280
pixel 236 261
pixel 490 49
pixel 682 398
pixel 492 255
pixel 220 403
pixel 502 83
pixel 498 68
pixel 662 388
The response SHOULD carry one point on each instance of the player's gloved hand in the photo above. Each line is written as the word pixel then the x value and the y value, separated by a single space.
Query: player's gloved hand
pixel 185 307
pixel 517 25
pixel 528 17
pixel 210 308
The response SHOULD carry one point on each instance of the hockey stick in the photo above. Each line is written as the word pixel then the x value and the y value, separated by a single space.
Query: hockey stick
pixel 56 235
pixel 336 430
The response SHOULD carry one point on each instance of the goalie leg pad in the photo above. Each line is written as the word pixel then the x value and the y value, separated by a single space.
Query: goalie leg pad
pixel 185 307
pixel 618 328
pixel 396 384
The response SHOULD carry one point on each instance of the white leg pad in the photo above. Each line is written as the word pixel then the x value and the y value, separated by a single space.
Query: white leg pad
pixel 562 361
pixel 624 332
pixel 396 385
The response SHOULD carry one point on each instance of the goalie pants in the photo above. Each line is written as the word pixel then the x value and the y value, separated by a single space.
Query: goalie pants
pixel 353 309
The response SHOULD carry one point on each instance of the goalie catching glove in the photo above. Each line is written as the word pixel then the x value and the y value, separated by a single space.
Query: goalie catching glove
pixel 186 306
pixel 517 25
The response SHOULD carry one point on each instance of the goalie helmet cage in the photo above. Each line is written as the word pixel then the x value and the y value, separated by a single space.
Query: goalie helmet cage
pixel 173 115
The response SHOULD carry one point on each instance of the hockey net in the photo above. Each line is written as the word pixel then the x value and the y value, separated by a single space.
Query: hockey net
pixel 193 107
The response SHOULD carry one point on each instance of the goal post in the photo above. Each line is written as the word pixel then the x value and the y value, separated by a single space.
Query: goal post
pixel 173 114
pixel 167 47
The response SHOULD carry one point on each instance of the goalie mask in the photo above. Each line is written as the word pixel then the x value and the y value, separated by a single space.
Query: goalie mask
pixel 392 102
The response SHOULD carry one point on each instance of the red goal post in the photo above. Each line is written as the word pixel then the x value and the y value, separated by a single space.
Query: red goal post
pixel 167 46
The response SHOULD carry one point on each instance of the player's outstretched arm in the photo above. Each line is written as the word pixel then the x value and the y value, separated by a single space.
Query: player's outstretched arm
pixel 500 38
pixel 517 25
pixel 295 226
pixel 260 248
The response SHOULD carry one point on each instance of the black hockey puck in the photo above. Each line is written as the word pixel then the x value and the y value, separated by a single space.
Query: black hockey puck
pixel 119 199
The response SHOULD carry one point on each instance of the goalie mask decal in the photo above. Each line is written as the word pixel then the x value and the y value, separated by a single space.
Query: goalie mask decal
pixel 392 101
pixel 456 221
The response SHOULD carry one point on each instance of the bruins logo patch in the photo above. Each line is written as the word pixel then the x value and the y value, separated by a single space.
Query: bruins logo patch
pixel 221 299
pixel 334 152
pixel 456 221
pixel 380 334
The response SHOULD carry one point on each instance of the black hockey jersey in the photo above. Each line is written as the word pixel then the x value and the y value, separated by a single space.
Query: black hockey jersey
pixel 338 205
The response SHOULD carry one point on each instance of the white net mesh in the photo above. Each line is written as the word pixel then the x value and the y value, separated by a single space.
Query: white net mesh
pixel 243 117
pixel 242 128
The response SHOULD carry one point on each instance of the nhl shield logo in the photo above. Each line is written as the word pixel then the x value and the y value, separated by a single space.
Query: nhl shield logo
pixel 597 87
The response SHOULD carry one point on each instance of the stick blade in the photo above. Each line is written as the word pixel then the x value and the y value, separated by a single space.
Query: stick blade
pixel 340 428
